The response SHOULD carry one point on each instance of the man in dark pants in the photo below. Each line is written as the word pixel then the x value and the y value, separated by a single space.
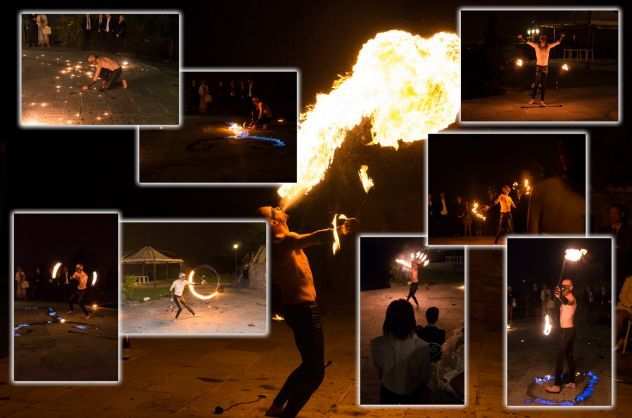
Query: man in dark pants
pixel 505 223
pixel 414 282
pixel 106 69
pixel 542 50
pixel 295 282
pixel 79 293
pixel 177 291
pixel 568 306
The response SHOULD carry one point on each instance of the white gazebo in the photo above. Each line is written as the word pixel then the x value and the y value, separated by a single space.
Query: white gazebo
pixel 149 256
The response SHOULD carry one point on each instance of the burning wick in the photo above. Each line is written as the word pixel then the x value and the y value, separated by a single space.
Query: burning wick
pixel 477 213
pixel 367 182
pixel 334 223
pixel 55 270
pixel 94 278
pixel 565 67
pixel 519 62
pixel 573 254
pixel 548 326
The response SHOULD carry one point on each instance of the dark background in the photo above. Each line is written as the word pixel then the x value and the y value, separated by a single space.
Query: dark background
pixel 41 240
pixel 468 164
pixel 196 243
pixel 322 40
pixel 277 89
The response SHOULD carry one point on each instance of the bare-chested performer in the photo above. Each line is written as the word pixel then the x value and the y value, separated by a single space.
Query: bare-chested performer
pixel 542 50
pixel 505 222
pixel 79 293
pixel 108 70
pixel 293 275
pixel 568 306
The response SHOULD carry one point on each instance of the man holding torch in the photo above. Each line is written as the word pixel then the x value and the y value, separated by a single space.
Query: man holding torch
pixel 177 291
pixel 414 282
pixel 79 293
pixel 568 306
pixel 542 50
pixel 295 281
pixel 505 223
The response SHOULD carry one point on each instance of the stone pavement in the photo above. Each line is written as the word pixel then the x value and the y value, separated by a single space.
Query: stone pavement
pixel 579 104
pixel 51 91
pixel 236 311
pixel 200 151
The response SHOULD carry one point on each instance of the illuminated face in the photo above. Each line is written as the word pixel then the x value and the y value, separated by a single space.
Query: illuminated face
pixel 567 285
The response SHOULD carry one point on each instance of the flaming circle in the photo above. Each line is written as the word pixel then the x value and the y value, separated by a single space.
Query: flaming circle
pixel 406 85
pixel 202 270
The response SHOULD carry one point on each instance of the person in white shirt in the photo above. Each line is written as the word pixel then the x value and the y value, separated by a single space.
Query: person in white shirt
pixel 79 293
pixel 505 223
pixel 177 291
pixel 542 51
pixel 568 306
pixel 402 358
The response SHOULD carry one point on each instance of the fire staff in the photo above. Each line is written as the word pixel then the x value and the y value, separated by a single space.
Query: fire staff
pixel 294 277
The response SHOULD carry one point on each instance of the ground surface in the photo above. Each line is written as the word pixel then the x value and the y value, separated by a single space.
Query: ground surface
pixel 373 303
pixel 211 372
pixel 236 311
pixel 578 104
pixel 65 352
pixel 201 151
pixel 52 98
pixel 531 354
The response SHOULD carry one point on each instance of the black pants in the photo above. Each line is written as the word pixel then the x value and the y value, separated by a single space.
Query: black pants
pixel 541 73
pixel 305 322
pixel 505 225
pixel 77 297
pixel 567 344
pixel 179 300
pixel 411 292
pixel 391 398
pixel 110 77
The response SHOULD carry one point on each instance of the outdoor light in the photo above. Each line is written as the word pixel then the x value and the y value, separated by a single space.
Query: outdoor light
pixel 528 31
pixel 574 255
pixel 235 246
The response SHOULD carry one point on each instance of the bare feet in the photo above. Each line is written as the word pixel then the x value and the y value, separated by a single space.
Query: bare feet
pixel 542 103
pixel 531 101
pixel 553 389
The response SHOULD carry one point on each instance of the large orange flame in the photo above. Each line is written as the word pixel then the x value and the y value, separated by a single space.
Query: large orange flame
pixel 406 85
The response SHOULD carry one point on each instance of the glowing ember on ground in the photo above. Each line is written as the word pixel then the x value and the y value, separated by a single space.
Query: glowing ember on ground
pixel 406 85
pixel 367 182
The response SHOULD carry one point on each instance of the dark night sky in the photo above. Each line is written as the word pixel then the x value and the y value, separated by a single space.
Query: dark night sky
pixel 90 239
pixel 467 164
pixel 278 89
pixel 196 243
pixel 378 254
pixel 540 260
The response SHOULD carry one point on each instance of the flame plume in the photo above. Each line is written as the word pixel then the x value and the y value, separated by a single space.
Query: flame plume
pixel 408 87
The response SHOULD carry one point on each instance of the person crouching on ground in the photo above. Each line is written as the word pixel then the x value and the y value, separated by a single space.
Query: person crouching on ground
pixel 293 277
pixel 108 70
pixel 177 290
pixel 402 358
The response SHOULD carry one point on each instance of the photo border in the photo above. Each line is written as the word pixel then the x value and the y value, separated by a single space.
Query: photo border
pixel 21 12
pixel 613 354
pixel 358 324
pixel 587 158
pixel 620 89
pixel 206 184
pixel 268 317
pixel 11 330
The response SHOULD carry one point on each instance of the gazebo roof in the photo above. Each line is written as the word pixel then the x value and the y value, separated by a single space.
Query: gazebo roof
pixel 149 255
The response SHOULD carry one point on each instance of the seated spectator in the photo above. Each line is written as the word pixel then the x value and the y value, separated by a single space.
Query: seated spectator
pixel 402 359
pixel 431 333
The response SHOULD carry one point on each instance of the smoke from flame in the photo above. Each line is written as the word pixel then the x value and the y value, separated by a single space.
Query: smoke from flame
pixel 406 85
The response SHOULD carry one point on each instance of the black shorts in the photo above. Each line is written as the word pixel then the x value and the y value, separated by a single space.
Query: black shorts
pixel 110 77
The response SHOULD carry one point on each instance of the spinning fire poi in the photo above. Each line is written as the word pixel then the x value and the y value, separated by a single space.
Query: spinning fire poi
pixel 417 261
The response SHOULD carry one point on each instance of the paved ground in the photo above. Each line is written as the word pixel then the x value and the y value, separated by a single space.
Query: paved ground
pixel 531 354
pixel 579 104
pixel 50 97
pixel 203 151
pixel 236 311
pixel 477 240
pixel 79 349
pixel 449 298
pixel 190 377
